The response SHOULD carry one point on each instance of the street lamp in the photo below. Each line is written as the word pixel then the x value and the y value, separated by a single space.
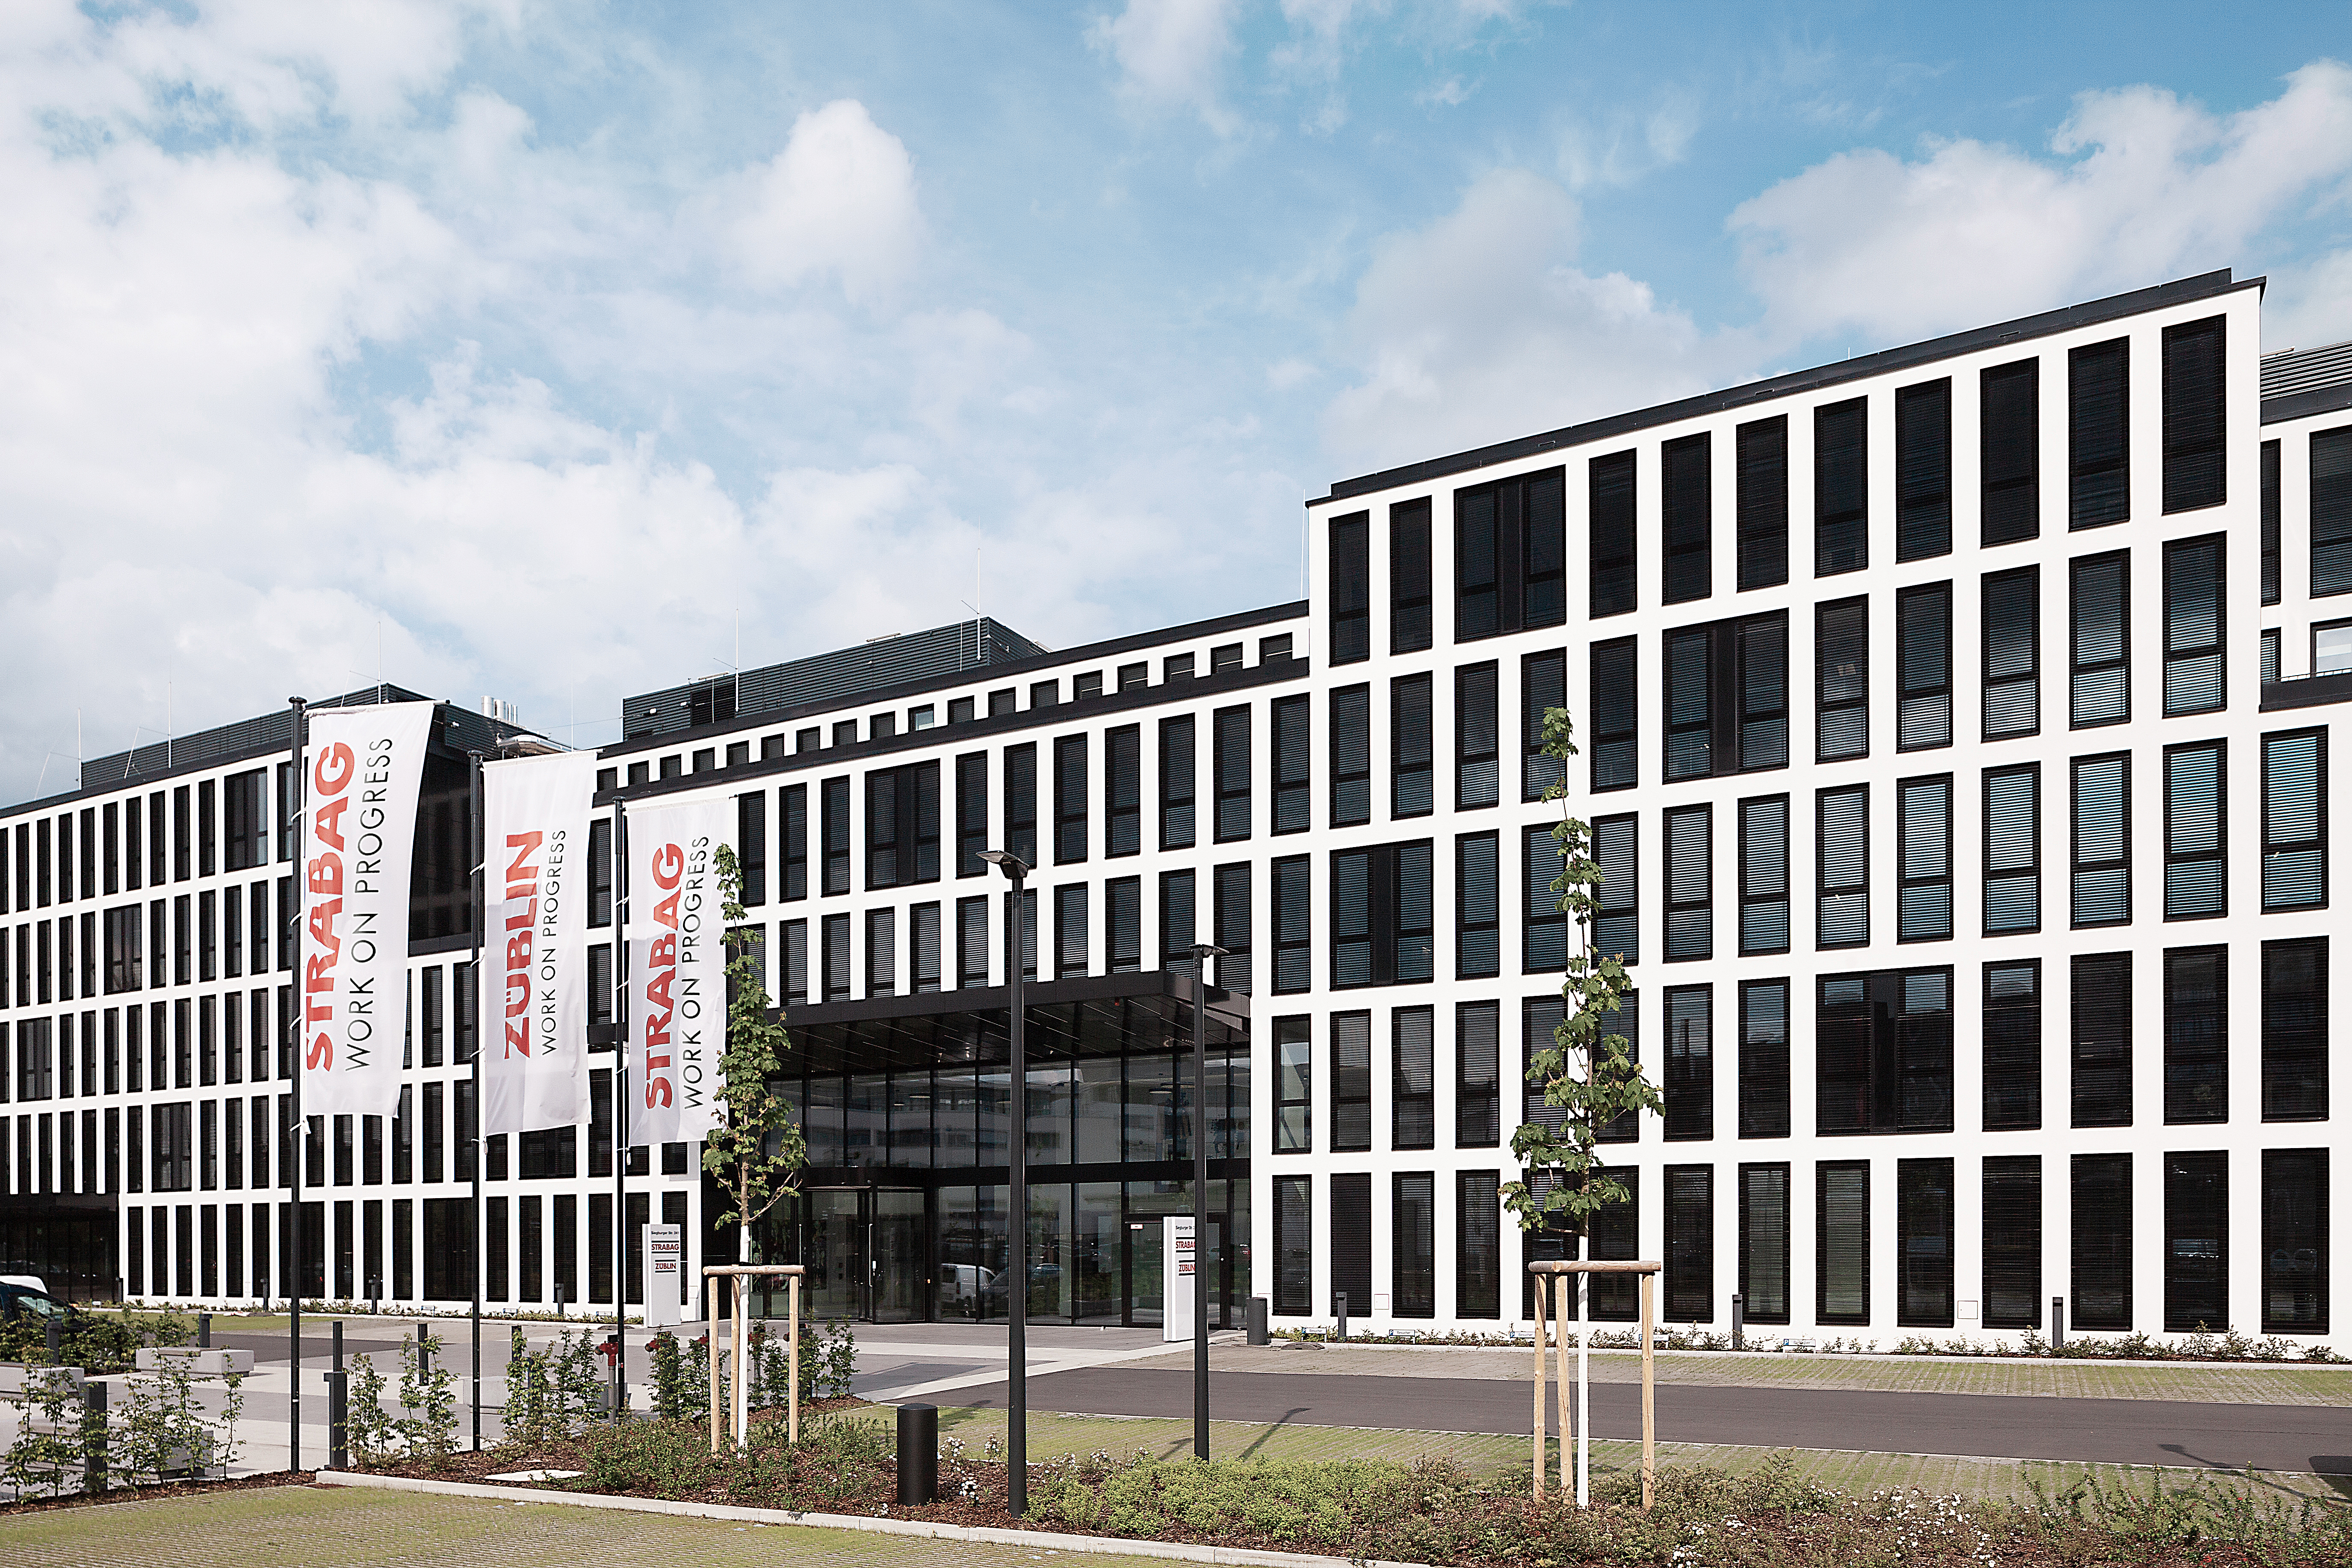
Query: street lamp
pixel 1017 1304
pixel 1202 952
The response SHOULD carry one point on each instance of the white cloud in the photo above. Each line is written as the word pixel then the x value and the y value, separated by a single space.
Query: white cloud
pixel 1623 147
pixel 2145 187
pixel 1172 53
pixel 2309 307
pixel 838 201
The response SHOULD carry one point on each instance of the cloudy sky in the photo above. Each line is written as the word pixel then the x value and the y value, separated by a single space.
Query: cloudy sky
pixel 532 348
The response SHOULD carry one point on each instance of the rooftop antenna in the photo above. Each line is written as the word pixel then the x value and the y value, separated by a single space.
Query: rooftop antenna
pixel 167 726
pixel 738 658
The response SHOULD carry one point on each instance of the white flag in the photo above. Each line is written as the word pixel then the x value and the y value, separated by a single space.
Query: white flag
pixel 361 775
pixel 678 967
pixel 535 817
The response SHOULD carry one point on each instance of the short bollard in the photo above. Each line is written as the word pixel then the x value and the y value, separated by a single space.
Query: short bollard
pixel 55 1334
pixel 919 1454
pixel 339 1420
pixel 1257 1321
pixel 1340 1310
pixel 1738 1321
pixel 93 1436
pixel 424 1354
pixel 203 1330
pixel 2057 1322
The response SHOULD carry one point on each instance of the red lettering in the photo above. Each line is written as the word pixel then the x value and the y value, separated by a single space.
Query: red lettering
pixel 327 822
pixel 320 1058
pixel 520 869
pixel 657 1092
pixel 326 873
pixel 333 772
pixel 321 927
pixel 319 973
pixel 517 1040
pixel 657 983
pixel 656 1030
pixel 668 866
pixel 667 913
pixel 519 952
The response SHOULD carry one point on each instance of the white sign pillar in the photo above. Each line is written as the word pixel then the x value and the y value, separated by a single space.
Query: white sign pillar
pixel 1177 1273
pixel 665 1271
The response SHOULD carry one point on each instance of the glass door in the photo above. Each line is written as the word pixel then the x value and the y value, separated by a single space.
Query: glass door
pixel 895 1254
pixel 836 1254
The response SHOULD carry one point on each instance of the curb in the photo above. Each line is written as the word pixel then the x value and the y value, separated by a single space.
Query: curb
pixel 1108 1545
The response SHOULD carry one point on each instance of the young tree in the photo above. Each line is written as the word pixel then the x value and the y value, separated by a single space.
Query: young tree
pixel 1588 1072
pixel 759 1146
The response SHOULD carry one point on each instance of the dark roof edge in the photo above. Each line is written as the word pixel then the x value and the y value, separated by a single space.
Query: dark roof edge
pixel 2182 291
pixel 2304 404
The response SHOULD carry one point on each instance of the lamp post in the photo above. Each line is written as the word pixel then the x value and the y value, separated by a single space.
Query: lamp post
pixel 1016 1348
pixel 1202 952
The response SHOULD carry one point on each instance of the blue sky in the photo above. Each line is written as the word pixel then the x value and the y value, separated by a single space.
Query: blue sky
pixel 533 349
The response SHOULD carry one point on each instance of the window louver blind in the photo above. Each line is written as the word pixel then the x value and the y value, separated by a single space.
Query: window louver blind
pixel 1613 588
pixel 1687 507
pixel 1478 774
pixel 2331 512
pixel 1233 925
pixel 1293 1227
pixel 1764 1242
pixel 1070 916
pixel 1020 804
pixel 1510 552
pixel 1413 745
pixel 2102 640
pixel 1923 471
pixel 971 944
pixel 2012 1241
pixel 1924 631
pixel 1413 1269
pixel 2012 638
pixel 2195 1035
pixel 1539 1019
pixel 2196 849
pixel 2098 434
pixel 1477 1244
pixel 1923 1243
pixel 1615 851
pixel 1627 1026
pixel 1409 576
pixel 1764 1059
pixel 1123 791
pixel 1690 1244
pixel 2295 1241
pixel 1690 882
pixel 2194 671
pixel 1762 502
pixel 1764 691
pixel 1841 487
pixel 2195 415
pixel 1477 1074
pixel 2103 840
pixel 1232 768
pixel 1615 715
pixel 1690 1062
pixel 1351 588
pixel 1842 678
pixel 1177 929
pixel 1351 918
pixel 2102 1209
pixel 2012 830
pixel 793 820
pixel 2102 1012
pixel 1477 882
pixel 2271 573
pixel 1412 1103
pixel 1543 685
pixel 1544 939
pixel 1351 755
pixel 1416 932
pixel 2013 1045
pixel 836 958
pixel 1690 725
pixel 1176 783
pixel 1477 595
pixel 1842 918
pixel 2196 1241
pixel 1123 924
pixel 1069 799
pixel 1764 875
pixel 2295 820
pixel 1351 1081
pixel 1293 925
pixel 1351 1237
pixel 1293 759
pixel 2294 1029
pixel 2271 655
pixel 1924 905
pixel 1841 1241
pixel 2010 399
pixel 1615 1238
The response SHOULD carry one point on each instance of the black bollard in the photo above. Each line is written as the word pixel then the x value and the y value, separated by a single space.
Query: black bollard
pixel 424 1356
pixel 54 1333
pixel 93 1436
pixel 339 1419
pixel 1340 1309
pixel 919 1454
pixel 2057 1322
pixel 338 1344
pixel 203 1330
pixel 1738 1321
pixel 1257 1321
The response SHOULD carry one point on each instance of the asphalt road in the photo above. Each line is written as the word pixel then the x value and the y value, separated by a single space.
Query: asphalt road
pixel 2117 1431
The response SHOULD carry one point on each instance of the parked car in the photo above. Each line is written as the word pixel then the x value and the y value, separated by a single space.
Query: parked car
pixel 18 1299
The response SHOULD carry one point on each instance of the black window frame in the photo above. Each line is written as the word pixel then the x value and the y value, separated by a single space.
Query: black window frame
pixel 2008 451
pixel 1397 933
pixel 1412 746
pixel 1179 787
pixel 1615 588
pixel 1522 561
pixel 2195 1035
pixel 1831 641
pixel 1477 735
pixel 2295 1030
pixel 1290 757
pixel 1292 876
pixel 1761 502
pixel 2098 434
pixel 2003 673
pixel 2011 1076
pixel 1543 685
pixel 1351 569
pixel 1923 668
pixel 1478 905
pixel 1685 519
pixel 1757 890
pixel 2099 1039
pixel 2328 507
pixel 1230 768
pixel 1842 497
pixel 2196 665
pixel 1687 846
pixel 1614 674
pixel 1923 470
pixel 2079 865
pixel 1122 791
pixel 2275 847
pixel 2195 415
pixel 1349 738
pixel 1764 1061
pixel 1413 1083
pixel 1824 888
pixel 2197 878
pixel 1923 885
pixel 1411 595
pixel 1997 865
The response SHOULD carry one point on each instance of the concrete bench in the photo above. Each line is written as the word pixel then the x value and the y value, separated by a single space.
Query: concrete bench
pixel 201 1362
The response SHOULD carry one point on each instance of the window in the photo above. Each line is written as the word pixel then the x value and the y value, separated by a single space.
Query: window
pixel 2195 1035
pixel 1690 1244
pixel 1883 1052
pixel 1351 588
pixel 1923 471
pixel 1705 665
pixel 2102 883
pixel 2194 669
pixel 1294 1087
pixel 1233 769
pixel 835 825
pixel 1923 1243
pixel 1478 892
pixel 1294 1245
pixel 2196 818
pixel 1351 756
pixel 1477 1244
pixel 2013 849
pixel 1690 883
pixel 1382 929
pixel 1616 932
pixel 2271 655
pixel 1613 588
pixel 1069 799
pixel 1123 925
pixel 971 944
pixel 2098 434
pixel 792 820
pixel 1177 931
pixel 1292 925
pixel 1923 629
pixel 835 956
pixel 1070 917
pixel 1293 807
pixel 1476 740
pixel 1842 833
pixel 2102 1052
pixel 902 824
pixel 1510 549
pixel 1413 1097
pixel 1842 678
pixel 1764 875
pixel 1122 791
pixel 1543 685
pixel 243 803
pixel 1685 500
pixel 2012 1241
pixel 1412 1282
pixel 2195 415
pixel 1351 1082
pixel 1230 889
pixel 1615 1232
pixel 1690 1062
pixel 2295 820
pixel 2331 512
pixel 1176 774
pixel 1923 897
pixel 2295 1241
pixel 2195 1243
pixel 1616 706
pixel 1409 576
pixel 1841 487
pixel 1021 803
pixel 1543 937
pixel 1842 1242
pixel 2272 575
pixel 1411 744
pixel 2012 618
pixel 121 952
pixel 2102 640
pixel 2331 651
pixel 1477 1074
pixel 1762 502
pixel 751 844
pixel 2295 1030
pixel 1764 1242
pixel 1764 1059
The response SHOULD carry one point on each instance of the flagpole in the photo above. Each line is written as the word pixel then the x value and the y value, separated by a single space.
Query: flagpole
pixel 621 1116
pixel 293 806
pixel 481 913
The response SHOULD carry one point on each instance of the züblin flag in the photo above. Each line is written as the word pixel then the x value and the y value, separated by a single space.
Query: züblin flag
pixel 361 775
pixel 678 967
pixel 535 815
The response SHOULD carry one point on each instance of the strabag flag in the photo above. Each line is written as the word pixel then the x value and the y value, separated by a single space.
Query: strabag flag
pixel 677 968
pixel 535 817
pixel 362 772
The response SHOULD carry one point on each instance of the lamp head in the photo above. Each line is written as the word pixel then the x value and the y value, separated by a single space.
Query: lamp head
pixel 1006 862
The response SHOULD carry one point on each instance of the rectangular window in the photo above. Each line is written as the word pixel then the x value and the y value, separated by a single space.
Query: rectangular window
pixel 1540 1020
pixel 1842 836
pixel 2010 442
pixel 2013 1045
pixel 1762 502
pixel 1923 630
pixel 1510 548
pixel 1543 685
pixel 1070 916
pixel 1292 925
pixel 2012 1241
pixel 2102 882
pixel 836 958
pixel 1923 1243
pixel 902 824
pixel 2295 1030
pixel 1176 783
pixel 1764 875
pixel 1123 925
pixel 1842 678
pixel 2102 1052
pixel 1178 930
pixel 2272 575
pixel 2102 639
pixel 1382 929
pixel 1615 589
pixel 1924 896
pixel 834 828
pixel 2195 672
pixel 1478 892
pixel 247 833
pixel 2013 849
pixel 1616 708
pixel 1616 1231
pixel 1351 588
pixel 1690 1063
pixel 1413 1097
pixel 2331 516
pixel 1616 842
pixel 2295 820
pixel 791 824
pixel 1232 924
pixel 1232 764
pixel 1409 597
pixel 1923 471
pixel 1841 487
pixel 2195 1243
pixel 1764 1059
pixel 1842 1242
pixel 2270 656
pixel 2196 472
pixel 1690 883
pixel 2295 1241
pixel 971 944
pixel 2012 647
pixel 1293 749
pixel 1069 799
pixel 1883 1052
pixel 2195 823
pixel 1352 1236
pixel 1705 665
pixel 1477 769
pixel 1477 1244
pixel 1477 1074
pixel 1122 791
pixel 1294 1245
pixel 1413 1279
pixel 1351 756
pixel 1764 1242
pixel 2098 434
pixel 1687 509
pixel 1412 746
pixel 2195 1035
pixel 1543 936
pixel 1294 1086
pixel 1690 1244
